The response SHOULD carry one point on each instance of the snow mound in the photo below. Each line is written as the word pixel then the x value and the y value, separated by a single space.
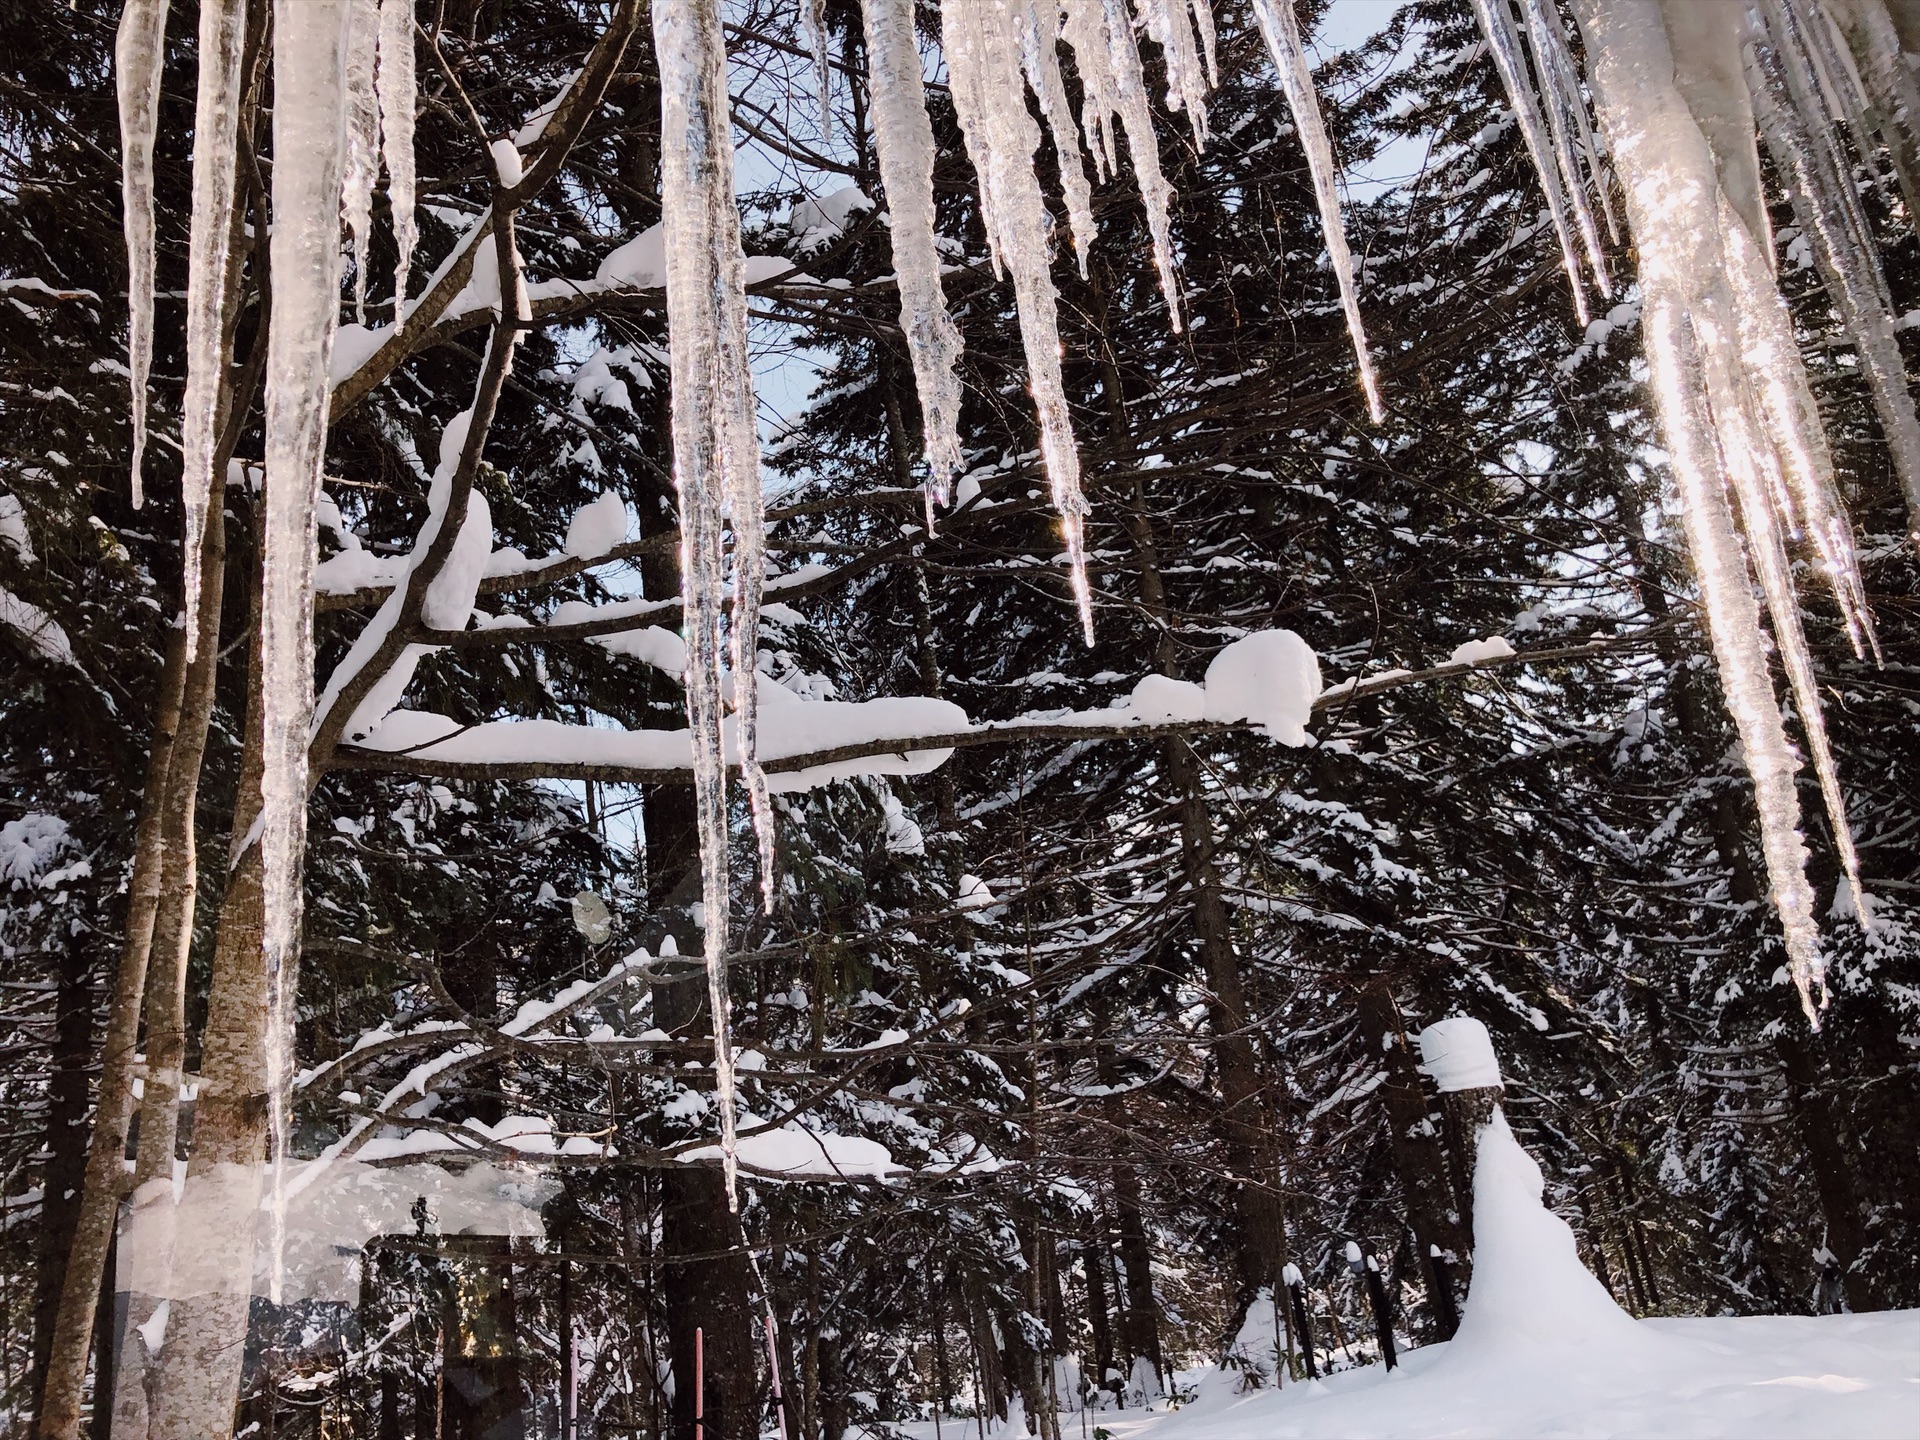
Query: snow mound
pixel 1530 1289
pixel 640 263
pixel 1477 652
pixel 1270 678
pixel 1158 699
pixel 1458 1053
pixel 597 527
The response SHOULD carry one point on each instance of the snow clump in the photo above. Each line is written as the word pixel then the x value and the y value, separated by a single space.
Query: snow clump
pixel 1270 679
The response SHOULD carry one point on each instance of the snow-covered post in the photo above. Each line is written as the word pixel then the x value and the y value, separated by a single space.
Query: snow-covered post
pixel 1367 1272
pixel 1458 1054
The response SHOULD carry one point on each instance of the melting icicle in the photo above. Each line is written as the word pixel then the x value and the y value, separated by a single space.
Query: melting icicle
pixel 1496 23
pixel 903 135
pixel 989 96
pixel 813 20
pixel 1282 31
pixel 139 50
pixel 363 142
pixel 308 141
pixel 215 160
pixel 1550 66
pixel 394 85
pixel 1040 52
pixel 1828 212
pixel 1736 412
pixel 1167 24
pixel 715 460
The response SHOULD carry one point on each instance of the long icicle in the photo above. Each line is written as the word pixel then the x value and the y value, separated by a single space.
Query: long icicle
pixel 1496 23
pixel 715 454
pixel 989 95
pixel 1282 31
pixel 903 135
pixel 139 52
pixel 216 119
pixel 1039 26
pixel 395 85
pixel 1547 41
pixel 363 142
pixel 1696 331
pixel 308 139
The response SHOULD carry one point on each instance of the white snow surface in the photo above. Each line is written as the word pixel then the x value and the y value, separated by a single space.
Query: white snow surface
pixel 1478 652
pixel 1544 1351
pixel 1458 1053
pixel 1270 678
pixel 597 527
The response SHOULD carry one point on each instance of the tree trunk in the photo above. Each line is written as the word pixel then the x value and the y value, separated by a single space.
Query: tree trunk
pixel 1816 1118
pixel 63 1177
pixel 1141 1330
pixel 1434 1211
pixel 485 1391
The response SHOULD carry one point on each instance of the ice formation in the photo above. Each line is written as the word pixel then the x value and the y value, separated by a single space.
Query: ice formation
pixel 984 65
pixel 1738 417
pixel 903 136
pixel 1282 31
pixel 716 459
pixel 394 85
pixel 308 141
pixel 216 119
pixel 363 142
pixel 138 52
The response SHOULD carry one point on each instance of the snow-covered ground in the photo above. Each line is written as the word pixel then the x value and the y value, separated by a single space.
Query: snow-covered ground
pixel 1543 1350
pixel 1838 1377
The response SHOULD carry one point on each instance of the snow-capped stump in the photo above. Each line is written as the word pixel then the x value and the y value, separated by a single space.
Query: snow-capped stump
pixel 1269 679
pixel 597 527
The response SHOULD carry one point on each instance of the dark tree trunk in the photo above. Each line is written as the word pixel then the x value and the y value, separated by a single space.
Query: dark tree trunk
pixel 66 1143
pixel 1434 1211
pixel 1816 1117
pixel 485 1392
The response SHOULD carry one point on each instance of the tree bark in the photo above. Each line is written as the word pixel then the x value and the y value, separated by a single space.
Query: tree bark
pixel 1816 1118
pixel 63 1177
pixel 1434 1210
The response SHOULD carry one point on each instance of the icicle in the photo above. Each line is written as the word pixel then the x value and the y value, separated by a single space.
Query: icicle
pixel 1496 23
pixel 394 85
pixel 716 460
pixel 1209 39
pixel 1282 32
pixel 363 142
pixel 903 135
pixel 139 52
pixel 1101 34
pixel 989 96
pixel 1549 44
pixel 1829 214
pixel 1039 25
pixel 1860 45
pixel 215 160
pixel 308 140
pixel 1735 411
pixel 813 21
pixel 1167 24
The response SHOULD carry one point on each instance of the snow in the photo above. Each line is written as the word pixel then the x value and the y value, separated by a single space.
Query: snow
pixel 1159 699
pixel 1271 679
pixel 597 527
pixel 800 1153
pixel 641 262
pixel 1478 652
pixel 13 529
pixel 43 634
pixel 29 845
pixel 1458 1053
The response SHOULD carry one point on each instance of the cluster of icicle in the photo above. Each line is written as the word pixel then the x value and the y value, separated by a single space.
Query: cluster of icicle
pixel 1676 85
pixel 343 97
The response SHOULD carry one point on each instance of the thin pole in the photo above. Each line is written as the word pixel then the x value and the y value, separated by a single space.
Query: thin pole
pixel 773 1364
pixel 699 1384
